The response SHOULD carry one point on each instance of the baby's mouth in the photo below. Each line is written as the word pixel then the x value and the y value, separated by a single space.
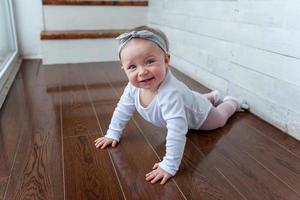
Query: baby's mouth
pixel 146 80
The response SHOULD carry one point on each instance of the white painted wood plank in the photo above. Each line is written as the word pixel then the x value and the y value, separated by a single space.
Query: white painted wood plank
pixel 286 42
pixel 288 120
pixel 261 105
pixel 292 14
pixel 187 40
pixel 293 124
pixel 280 92
pixel 247 11
pixel 213 55
pixel 255 81
pixel 211 28
pixel 199 74
pixel 281 41
pixel 79 51
pixel 94 17
pixel 218 10
pixel 263 13
pixel 156 4
pixel 274 65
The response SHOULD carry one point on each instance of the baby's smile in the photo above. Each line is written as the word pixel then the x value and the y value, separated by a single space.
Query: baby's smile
pixel 147 80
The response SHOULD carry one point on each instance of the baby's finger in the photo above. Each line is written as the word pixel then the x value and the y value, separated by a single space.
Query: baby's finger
pixel 152 172
pixel 100 139
pixel 114 143
pixel 164 180
pixel 97 139
pixel 150 176
pixel 156 178
pixel 106 143
pixel 99 143
pixel 155 166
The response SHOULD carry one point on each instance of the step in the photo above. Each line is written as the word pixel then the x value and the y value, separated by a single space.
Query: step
pixel 66 17
pixel 60 47
pixel 89 34
pixel 96 2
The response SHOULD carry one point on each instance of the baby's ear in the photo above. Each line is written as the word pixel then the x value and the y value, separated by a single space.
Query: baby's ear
pixel 167 58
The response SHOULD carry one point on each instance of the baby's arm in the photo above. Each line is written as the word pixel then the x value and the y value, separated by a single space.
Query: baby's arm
pixel 121 116
pixel 174 114
pixel 175 143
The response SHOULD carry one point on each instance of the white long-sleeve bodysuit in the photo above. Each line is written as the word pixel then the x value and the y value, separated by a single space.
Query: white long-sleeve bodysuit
pixel 175 107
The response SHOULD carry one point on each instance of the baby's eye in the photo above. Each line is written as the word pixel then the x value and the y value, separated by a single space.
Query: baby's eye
pixel 131 67
pixel 150 61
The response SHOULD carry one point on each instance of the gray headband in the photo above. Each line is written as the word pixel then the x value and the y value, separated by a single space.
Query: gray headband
pixel 124 38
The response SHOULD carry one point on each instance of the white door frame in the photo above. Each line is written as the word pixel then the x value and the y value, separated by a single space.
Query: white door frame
pixel 11 63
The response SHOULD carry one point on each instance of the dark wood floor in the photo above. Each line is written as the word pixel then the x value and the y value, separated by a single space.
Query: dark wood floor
pixel 53 114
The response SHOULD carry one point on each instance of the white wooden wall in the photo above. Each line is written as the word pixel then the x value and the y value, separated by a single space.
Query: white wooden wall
pixel 246 48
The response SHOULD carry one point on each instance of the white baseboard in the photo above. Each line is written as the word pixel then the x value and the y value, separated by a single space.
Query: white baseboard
pixel 35 56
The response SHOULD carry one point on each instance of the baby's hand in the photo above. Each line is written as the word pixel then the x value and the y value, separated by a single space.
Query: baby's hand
pixel 158 173
pixel 103 142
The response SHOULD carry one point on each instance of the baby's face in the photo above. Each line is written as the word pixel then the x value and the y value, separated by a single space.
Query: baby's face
pixel 144 63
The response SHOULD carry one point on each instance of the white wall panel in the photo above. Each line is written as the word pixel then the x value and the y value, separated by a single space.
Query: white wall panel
pixel 29 24
pixel 94 17
pixel 79 51
pixel 263 13
pixel 268 64
pixel 248 48
pixel 197 73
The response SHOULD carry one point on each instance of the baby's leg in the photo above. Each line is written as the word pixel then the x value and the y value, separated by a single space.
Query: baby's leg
pixel 218 116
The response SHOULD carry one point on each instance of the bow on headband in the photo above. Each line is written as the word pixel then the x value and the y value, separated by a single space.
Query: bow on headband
pixel 124 38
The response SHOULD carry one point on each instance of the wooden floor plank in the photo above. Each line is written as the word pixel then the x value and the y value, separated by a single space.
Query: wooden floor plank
pixel 77 112
pixel 107 75
pixel 37 172
pixel 116 76
pixel 11 118
pixel 277 160
pixel 232 156
pixel 274 134
pixel 87 171
pixel 250 178
pixel 3 184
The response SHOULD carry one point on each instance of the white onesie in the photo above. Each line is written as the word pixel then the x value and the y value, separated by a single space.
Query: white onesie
pixel 175 107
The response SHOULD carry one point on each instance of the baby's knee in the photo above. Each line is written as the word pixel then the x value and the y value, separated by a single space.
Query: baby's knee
pixel 222 120
pixel 223 123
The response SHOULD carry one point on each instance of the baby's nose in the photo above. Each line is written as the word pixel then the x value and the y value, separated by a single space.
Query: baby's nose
pixel 143 71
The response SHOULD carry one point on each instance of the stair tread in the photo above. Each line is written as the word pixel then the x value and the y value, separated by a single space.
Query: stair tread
pixel 97 2
pixel 80 34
